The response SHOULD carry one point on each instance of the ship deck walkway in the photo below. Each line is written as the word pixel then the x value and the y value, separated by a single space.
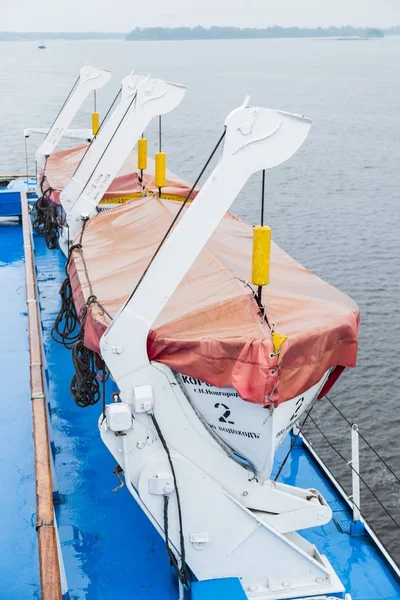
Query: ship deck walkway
pixel 19 565
pixel 110 549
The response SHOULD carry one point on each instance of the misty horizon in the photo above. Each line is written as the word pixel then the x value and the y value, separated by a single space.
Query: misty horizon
pixel 95 15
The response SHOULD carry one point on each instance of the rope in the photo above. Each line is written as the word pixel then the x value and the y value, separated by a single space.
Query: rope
pixel 111 139
pixel 170 553
pixel 159 145
pixel 262 198
pixel 85 383
pixel 178 214
pixel 100 126
pixel 358 474
pixel 46 220
pixel 364 440
pixel 260 287
pixel 293 444
pixel 182 570
pixel 46 158
pixel 26 158
pixel 90 370
pixel 105 378
pixel 67 318
pixel 262 307
pixel 65 102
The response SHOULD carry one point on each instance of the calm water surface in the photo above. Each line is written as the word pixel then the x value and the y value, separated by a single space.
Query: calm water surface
pixel 334 206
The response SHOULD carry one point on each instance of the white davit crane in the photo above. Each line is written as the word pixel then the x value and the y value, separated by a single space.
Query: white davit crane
pixel 236 522
pixel 144 98
pixel 89 80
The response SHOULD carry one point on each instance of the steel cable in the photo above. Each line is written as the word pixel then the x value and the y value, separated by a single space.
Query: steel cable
pixel 100 126
pixel 358 474
pixel 175 219
pixel 292 445
pixel 364 439
pixel 181 571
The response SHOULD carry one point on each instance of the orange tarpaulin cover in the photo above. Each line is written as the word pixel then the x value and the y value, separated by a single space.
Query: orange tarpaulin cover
pixel 61 166
pixel 211 328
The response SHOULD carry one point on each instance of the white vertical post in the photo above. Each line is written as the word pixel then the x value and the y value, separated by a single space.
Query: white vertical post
pixel 355 464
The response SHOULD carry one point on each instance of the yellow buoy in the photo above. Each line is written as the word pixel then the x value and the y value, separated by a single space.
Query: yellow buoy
pixel 161 169
pixel 142 154
pixel 261 255
pixel 95 123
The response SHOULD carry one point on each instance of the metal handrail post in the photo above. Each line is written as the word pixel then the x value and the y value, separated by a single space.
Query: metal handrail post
pixel 355 472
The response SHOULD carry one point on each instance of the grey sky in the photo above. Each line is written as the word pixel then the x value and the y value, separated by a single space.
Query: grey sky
pixel 123 15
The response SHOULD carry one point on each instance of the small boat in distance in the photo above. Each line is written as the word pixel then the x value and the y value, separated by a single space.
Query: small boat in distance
pixel 42 46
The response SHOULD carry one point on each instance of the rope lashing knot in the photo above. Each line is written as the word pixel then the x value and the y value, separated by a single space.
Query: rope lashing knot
pixel 262 307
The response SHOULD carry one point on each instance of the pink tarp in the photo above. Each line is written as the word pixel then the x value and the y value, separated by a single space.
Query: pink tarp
pixel 211 328
pixel 61 166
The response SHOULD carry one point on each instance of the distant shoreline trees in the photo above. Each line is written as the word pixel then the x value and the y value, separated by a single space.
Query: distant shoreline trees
pixel 202 33
pixel 214 33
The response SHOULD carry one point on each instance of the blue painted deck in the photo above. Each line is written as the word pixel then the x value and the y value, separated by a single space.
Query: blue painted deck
pixel 356 559
pixel 10 203
pixel 19 573
pixel 109 547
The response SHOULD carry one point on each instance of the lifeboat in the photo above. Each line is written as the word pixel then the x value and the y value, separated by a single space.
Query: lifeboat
pixel 203 348
pixel 215 340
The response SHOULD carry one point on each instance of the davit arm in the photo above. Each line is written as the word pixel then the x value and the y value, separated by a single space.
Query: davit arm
pixel 231 521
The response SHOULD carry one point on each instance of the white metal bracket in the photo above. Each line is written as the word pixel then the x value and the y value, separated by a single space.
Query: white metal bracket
pixel 142 100
pixel 90 79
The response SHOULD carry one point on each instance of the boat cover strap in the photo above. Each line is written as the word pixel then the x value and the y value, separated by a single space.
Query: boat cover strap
pixel 61 166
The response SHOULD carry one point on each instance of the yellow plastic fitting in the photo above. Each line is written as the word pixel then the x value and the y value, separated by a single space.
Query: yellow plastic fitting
pixel 278 339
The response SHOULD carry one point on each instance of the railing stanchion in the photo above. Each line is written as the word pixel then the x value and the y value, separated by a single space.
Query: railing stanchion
pixel 355 472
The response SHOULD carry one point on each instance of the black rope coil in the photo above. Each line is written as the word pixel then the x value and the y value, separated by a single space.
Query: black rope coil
pixel 64 328
pixel 87 384
pixel 90 371
pixel 46 221
pixel 84 386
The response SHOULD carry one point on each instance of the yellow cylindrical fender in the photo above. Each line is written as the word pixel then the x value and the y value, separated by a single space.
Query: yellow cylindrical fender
pixel 142 154
pixel 161 169
pixel 95 123
pixel 261 255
